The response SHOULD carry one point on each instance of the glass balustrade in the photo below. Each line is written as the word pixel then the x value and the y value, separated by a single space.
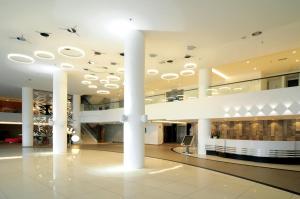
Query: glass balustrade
pixel 259 84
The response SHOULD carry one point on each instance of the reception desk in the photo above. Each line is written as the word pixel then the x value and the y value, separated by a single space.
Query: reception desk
pixel 283 152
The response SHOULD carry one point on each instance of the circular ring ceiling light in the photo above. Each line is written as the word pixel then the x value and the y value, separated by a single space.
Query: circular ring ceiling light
pixel 71 52
pixel 90 77
pixel 66 66
pixel 190 66
pixel 92 86
pixel 169 76
pixel 187 72
pixel 44 55
pixel 113 78
pixel 111 86
pixel 152 72
pixel 103 92
pixel 86 82
pixel 20 58
pixel 103 81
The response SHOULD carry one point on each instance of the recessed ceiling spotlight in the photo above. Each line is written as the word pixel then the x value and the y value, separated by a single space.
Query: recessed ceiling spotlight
pixel 219 73
pixel 254 68
pixel 187 56
pixel 44 55
pixel 169 76
pixel 190 47
pixel 294 52
pixel 20 38
pixel 91 62
pixel 85 82
pixel 170 61
pixel 103 92
pixel 71 52
pixel 66 66
pixel 92 86
pixel 190 66
pixel 120 70
pixel 20 58
pixel 247 62
pixel 113 78
pixel 111 86
pixel 72 30
pixel 187 72
pixel 152 55
pixel 44 34
pixel 257 33
pixel 297 60
pixel 103 81
pixel 97 52
pixel 152 72
pixel 90 77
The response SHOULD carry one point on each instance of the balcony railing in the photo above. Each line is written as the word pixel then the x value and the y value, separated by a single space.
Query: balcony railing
pixel 259 84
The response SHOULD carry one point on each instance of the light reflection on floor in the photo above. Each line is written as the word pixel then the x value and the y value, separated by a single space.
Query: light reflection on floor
pixel 98 174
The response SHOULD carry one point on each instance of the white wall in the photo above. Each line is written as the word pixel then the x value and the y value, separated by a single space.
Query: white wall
pixel 285 101
pixel 154 133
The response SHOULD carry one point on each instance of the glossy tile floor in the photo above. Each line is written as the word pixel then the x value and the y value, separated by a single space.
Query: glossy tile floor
pixel 36 173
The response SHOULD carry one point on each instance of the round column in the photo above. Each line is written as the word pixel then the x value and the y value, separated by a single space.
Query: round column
pixel 59 112
pixel 204 81
pixel 203 135
pixel 203 124
pixel 134 106
pixel 27 117
pixel 76 114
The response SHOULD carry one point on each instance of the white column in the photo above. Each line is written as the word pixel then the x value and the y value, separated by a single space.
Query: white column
pixel 59 112
pixel 27 117
pixel 203 124
pixel 76 115
pixel 204 81
pixel 203 135
pixel 134 106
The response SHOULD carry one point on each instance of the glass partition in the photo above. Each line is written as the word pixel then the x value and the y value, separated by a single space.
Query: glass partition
pixel 266 83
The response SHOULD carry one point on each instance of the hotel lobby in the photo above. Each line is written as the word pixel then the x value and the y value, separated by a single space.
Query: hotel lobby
pixel 150 99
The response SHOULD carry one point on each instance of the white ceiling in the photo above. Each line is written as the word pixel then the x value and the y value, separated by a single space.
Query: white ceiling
pixel 214 26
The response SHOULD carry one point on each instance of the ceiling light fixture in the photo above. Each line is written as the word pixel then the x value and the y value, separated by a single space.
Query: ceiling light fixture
pixel 66 66
pixel 169 76
pixel 217 72
pixel 247 62
pixel 103 81
pixel 92 86
pixel 85 82
pixel 187 72
pixel 190 66
pixel 44 55
pixel 152 71
pixel 103 92
pixel 90 77
pixel 297 60
pixel 294 52
pixel 111 86
pixel 20 58
pixel 113 78
pixel 71 52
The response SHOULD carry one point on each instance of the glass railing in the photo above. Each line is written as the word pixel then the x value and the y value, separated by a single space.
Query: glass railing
pixel 259 84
